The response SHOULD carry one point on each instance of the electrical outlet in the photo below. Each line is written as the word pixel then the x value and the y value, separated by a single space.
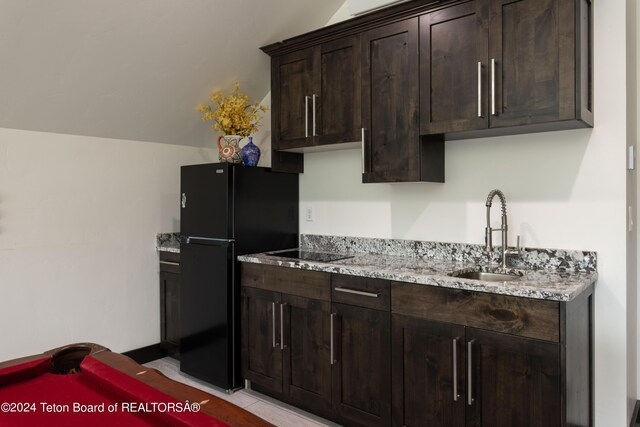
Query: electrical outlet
pixel 308 214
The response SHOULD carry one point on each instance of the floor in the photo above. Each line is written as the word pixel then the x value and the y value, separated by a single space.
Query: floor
pixel 275 412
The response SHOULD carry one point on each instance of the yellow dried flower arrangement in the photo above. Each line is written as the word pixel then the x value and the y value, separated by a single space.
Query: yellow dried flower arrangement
pixel 235 115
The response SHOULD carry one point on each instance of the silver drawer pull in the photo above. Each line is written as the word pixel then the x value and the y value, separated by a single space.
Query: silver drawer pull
pixel 470 398
pixel 169 263
pixel 356 292
pixel 333 315
pixel 455 370
pixel 282 344
pixel 273 324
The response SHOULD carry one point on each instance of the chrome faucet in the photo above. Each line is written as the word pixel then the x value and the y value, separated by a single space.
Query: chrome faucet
pixel 488 231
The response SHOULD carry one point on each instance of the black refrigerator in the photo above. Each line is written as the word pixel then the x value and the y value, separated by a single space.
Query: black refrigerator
pixel 226 210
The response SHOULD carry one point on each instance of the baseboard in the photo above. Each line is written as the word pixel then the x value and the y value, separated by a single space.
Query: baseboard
pixel 147 354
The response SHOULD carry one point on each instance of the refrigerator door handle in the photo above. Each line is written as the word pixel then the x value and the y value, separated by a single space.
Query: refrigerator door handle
pixel 208 241
pixel 184 200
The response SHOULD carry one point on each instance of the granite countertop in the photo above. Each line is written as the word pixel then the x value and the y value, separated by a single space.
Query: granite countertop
pixel 548 274
pixel 168 242
pixel 553 283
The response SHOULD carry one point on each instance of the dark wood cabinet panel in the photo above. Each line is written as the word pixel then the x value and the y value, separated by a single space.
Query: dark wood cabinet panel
pixel 293 79
pixel 306 345
pixel 170 303
pixel 362 367
pixel 515 381
pixel 493 64
pixel 535 61
pixel 502 313
pixel 390 103
pixel 453 52
pixel 337 86
pixel 261 353
pixel 170 313
pixel 423 373
pixel 315 100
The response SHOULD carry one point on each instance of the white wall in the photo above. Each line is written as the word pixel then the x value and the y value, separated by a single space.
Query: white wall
pixel 564 190
pixel 78 221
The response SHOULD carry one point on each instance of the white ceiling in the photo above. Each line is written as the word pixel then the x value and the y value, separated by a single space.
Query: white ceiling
pixel 136 69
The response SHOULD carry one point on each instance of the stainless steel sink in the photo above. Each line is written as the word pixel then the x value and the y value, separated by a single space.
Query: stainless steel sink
pixel 489 277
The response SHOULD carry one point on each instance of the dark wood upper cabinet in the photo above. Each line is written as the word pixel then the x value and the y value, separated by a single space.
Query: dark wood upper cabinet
pixel 315 99
pixel 391 106
pixel 506 67
pixel 291 86
pixel 400 81
pixel 453 52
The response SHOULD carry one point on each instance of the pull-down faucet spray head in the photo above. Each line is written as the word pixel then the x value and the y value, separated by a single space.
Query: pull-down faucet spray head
pixel 488 230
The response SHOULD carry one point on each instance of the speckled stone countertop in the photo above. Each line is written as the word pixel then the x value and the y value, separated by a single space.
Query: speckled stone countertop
pixel 168 242
pixel 556 275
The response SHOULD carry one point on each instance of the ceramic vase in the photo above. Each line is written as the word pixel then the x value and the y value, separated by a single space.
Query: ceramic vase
pixel 250 153
pixel 229 148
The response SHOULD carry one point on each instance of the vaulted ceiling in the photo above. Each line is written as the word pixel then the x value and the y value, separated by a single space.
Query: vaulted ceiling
pixel 136 69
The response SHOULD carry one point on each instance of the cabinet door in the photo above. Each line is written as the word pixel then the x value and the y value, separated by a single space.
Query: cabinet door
pixel 390 103
pixel 428 359
pixel 306 342
pixel 514 381
pixel 337 92
pixel 453 69
pixel 261 353
pixel 533 45
pixel 170 312
pixel 291 99
pixel 362 368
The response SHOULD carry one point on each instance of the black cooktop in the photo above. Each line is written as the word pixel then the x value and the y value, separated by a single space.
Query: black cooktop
pixel 310 256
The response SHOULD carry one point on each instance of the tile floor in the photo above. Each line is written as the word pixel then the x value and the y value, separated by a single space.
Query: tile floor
pixel 275 412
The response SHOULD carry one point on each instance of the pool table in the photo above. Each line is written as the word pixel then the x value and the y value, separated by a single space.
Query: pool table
pixel 87 384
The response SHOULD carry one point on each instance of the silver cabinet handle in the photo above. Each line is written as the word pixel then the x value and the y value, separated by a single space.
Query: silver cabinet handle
pixel 479 89
pixel 455 370
pixel 273 325
pixel 183 201
pixel 363 171
pixel 306 117
pixel 333 315
pixel 282 346
pixel 169 263
pixel 470 399
pixel 313 102
pixel 493 86
pixel 356 292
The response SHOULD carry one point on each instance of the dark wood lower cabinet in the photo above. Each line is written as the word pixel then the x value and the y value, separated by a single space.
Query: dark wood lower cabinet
pixel 501 380
pixel 361 369
pixel 428 357
pixel 363 352
pixel 515 381
pixel 261 354
pixel 306 353
pixel 170 303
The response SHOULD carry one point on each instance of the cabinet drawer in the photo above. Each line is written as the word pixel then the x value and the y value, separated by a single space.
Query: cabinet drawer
pixel 501 313
pixel 292 281
pixel 169 262
pixel 361 291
